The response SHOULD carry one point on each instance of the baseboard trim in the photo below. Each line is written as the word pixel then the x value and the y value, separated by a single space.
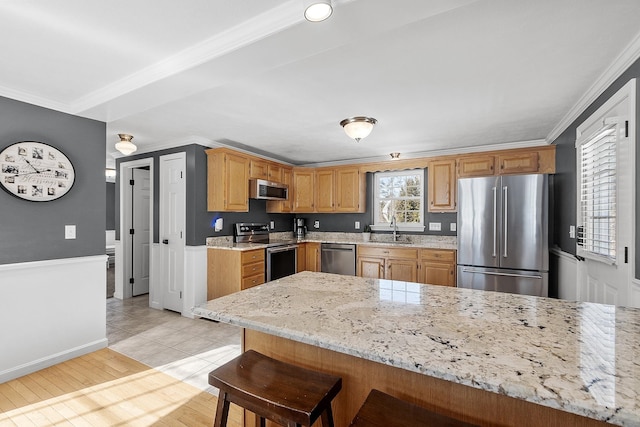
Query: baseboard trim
pixel 51 360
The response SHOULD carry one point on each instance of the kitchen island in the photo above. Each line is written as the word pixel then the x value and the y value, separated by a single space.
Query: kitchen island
pixel 485 357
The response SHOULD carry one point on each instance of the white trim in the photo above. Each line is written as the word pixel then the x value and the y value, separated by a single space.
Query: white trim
pixel 413 228
pixel 628 56
pixel 53 262
pixel 437 153
pixel 195 278
pixel 54 359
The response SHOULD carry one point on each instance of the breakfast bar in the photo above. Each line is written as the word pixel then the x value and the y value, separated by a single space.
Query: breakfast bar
pixel 483 357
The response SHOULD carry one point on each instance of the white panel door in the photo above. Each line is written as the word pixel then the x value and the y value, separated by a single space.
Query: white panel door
pixel 172 229
pixel 598 280
pixel 142 231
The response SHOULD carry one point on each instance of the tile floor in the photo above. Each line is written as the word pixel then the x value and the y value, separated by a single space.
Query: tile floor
pixel 186 349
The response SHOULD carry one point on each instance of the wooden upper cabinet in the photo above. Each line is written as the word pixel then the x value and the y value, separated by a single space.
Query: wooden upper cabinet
pixel 324 190
pixel 303 186
pixel 476 166
pixel 227 181
pixel 519 162
pixel 442 185
pixel 274 172
pixel 259 169
pixel 350 190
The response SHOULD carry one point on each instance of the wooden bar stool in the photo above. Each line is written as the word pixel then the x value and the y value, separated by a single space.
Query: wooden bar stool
pixel 286 394
pixel 382 410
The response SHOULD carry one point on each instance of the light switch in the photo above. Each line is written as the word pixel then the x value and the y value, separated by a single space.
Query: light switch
pixel 357 225
pixel 452 226
pixel 572 231
pixel 435 226
pixel 69 231
pixel 273 225
pixel 316 224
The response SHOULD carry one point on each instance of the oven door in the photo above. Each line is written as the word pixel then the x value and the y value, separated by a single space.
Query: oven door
pixel 281 261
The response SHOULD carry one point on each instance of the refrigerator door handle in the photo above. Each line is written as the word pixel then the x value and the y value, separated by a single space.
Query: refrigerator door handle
pixel 495 273
pixel 506 203
pixel 495 222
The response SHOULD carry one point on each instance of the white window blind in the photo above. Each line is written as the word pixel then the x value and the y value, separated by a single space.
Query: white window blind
pixel 597 161
pixel 399 194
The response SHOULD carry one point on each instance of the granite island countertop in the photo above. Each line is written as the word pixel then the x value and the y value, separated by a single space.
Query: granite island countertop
pixel 577 357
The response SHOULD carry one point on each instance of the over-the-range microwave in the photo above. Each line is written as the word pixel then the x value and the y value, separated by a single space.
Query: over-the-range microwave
pixel 269 190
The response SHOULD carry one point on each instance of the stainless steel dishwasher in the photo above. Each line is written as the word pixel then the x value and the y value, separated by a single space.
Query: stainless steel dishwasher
pixel 338 258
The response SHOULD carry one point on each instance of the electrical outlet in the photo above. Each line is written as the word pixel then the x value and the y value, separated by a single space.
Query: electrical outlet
pixel 435 226
pixel 316 224
pixel 572 231
pixel 452 226
pixel 273 225
pixel 69 231
pixel 357 225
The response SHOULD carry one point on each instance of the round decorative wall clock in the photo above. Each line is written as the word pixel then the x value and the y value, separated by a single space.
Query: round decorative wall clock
pixel 35 171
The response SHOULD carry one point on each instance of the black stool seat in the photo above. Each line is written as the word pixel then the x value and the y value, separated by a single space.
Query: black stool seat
pixel 275 390
pixel 382 410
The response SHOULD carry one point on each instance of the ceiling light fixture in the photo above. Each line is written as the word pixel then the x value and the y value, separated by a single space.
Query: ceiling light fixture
pixel 395 156
pixel 125 146
pixel 317 10
pixel 358 127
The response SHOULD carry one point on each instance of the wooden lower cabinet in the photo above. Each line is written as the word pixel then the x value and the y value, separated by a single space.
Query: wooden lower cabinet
pixel 312 256
pixel 230 271
pixel 437 267
pixel 302 257
pixel 432 266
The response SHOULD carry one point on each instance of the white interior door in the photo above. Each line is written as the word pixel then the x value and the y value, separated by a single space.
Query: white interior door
pixel 140 238
pixel 172 228
pixel 600 279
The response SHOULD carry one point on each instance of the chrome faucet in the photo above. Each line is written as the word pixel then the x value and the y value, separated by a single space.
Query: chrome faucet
pixel 394 224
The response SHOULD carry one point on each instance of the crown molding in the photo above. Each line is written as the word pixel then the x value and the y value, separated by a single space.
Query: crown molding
pixel 30 98
pixel 436 153
pixel 248 32
pixel 622 62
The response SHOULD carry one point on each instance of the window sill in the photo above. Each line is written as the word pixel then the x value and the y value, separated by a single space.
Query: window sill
pixel 386 227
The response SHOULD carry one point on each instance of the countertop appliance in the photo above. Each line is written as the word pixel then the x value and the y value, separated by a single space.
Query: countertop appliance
pixel 338 258
pixel 269 190
pixel 281 255
pixel 503 234
pixel 299 228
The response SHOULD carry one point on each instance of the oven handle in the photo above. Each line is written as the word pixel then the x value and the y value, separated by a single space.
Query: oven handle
pixel 281 249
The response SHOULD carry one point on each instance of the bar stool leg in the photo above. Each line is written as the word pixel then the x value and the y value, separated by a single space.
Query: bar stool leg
pixel 260 421
pixel 222 411
pixel 327 417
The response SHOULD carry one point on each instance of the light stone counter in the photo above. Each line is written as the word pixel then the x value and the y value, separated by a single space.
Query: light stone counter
pixel 582 358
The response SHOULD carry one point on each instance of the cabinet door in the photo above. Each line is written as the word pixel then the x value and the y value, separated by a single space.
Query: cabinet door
pixel 273 206
pixel 518 162
pixel 324 190
pixel 303 181
pixel 476 166
pixel 237 183
pixel 313 257
pixel 259 169
pixel 402 269
pixel 350 190
pixel 302 257
pixel 442 186
pixel 370 267
pixel 438 273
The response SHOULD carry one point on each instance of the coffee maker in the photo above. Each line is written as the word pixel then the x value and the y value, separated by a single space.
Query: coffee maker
pixel 299 228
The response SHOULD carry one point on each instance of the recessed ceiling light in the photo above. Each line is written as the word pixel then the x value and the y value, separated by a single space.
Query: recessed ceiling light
pixel 317 10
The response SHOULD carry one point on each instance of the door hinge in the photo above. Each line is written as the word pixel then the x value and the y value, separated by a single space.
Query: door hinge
pixel 131 231
pixel 180 174
pixel 180 294
pixel 131 182
pixel 626 128
pixel 131 280
pixel 626 255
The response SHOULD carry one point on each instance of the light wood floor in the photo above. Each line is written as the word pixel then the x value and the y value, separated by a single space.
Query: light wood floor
pixel 105 388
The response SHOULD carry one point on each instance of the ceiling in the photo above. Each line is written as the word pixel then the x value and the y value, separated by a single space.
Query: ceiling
pixel 253 74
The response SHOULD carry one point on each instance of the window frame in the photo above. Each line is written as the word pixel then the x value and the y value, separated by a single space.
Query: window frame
pixel 401 226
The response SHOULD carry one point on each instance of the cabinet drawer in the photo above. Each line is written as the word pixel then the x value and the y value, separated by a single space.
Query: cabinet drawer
pixel 252 256
pixel 252 269
pixel 251 281
pixel 438 254
pixel 387 252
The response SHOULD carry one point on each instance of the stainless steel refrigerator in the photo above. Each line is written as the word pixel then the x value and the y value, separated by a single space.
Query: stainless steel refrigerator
pixel 502 234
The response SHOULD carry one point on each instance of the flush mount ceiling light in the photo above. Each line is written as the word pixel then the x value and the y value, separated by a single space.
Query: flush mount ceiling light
pixel 358 127
pixel 317 10
pixel 125 146
pixel 395 156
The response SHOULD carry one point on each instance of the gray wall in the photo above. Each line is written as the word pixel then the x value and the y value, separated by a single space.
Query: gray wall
pixel 34 231
pixel 111 206
pixel 564 182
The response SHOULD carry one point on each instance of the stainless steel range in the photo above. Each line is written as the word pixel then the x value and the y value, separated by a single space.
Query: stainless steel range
pixel 281 256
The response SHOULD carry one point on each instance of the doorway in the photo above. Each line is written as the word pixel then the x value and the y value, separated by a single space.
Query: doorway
pixel 136 225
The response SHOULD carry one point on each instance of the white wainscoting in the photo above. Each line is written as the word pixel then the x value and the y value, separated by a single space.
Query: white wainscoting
pixel 567 274
pixel 51 311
